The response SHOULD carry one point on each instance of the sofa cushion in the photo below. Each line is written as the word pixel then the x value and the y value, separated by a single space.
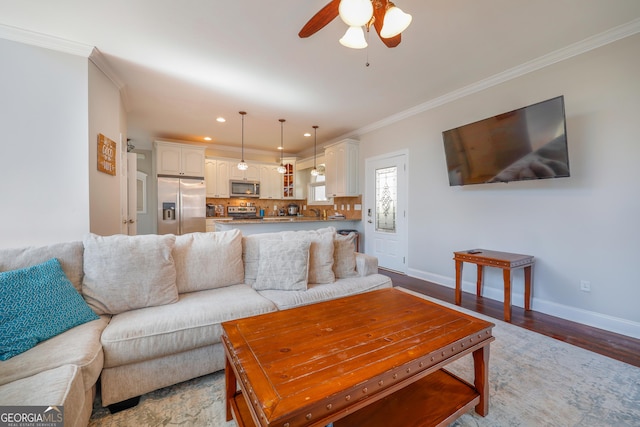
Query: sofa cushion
pixel 193 322
pixel 344 256
pixel 320 252
pixel 122 273
pixel 37 303
pixel 284 265
pixel 208 260
pixel 79 346
pixel 68 254
pixel 251 253
pixel 316 292
pixel 60 387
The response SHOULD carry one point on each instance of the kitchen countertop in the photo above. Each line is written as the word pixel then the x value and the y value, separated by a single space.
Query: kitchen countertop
pixel 276 219
pixel 271 224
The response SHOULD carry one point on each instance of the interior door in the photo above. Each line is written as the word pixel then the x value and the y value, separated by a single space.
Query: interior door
pixel 386 210
pixel 132 194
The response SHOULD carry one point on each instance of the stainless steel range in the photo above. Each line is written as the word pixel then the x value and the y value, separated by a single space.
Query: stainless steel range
pixel 242 212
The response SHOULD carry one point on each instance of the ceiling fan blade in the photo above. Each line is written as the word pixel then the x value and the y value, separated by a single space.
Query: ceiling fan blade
pixel 379 8
pixel 320 19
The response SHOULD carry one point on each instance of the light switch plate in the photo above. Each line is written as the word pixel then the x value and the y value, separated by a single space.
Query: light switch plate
pixel 357 207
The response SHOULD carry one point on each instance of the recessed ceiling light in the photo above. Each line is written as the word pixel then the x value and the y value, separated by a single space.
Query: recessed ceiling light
pixel 207 138
pixel 307 134
pixel 280 148
pixel 221 120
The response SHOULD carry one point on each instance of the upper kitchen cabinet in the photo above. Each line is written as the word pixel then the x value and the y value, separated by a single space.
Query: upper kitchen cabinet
pixel 341 168
pixel 251 174
pixel 270 182
pixel 217 177
pixel 292 187
pixel 179 159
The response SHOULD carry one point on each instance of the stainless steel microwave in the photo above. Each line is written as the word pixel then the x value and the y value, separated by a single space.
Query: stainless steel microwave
pixel 244 188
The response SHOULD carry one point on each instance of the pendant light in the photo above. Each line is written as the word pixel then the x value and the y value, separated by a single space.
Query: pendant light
pixel 243 166
pixel 314 171
pixel 281 168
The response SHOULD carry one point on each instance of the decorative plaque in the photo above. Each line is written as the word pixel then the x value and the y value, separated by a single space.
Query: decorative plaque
pixel 106 155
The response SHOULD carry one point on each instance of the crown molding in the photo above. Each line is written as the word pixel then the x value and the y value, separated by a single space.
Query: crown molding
pixel 236 149
pixel 66 46
pixel 43 40
pixel 98 59
pixel 575 49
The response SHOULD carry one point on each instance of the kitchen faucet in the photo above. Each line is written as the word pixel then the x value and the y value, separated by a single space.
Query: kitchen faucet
pixel 315 211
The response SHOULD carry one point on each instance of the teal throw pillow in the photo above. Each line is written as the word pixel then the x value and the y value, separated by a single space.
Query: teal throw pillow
pixel 37 303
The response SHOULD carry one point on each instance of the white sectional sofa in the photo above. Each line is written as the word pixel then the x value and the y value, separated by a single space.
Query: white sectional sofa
pixel 159 302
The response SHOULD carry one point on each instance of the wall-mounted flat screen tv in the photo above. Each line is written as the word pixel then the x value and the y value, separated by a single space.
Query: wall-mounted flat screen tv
pixel 524 144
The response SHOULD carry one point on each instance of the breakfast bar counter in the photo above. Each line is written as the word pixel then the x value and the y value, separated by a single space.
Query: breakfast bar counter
pixel 279 223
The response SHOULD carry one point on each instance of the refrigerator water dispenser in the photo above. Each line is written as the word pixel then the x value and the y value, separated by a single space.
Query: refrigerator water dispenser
pixel 168 211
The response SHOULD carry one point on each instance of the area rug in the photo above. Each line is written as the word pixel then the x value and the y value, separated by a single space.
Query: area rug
pixel 534 381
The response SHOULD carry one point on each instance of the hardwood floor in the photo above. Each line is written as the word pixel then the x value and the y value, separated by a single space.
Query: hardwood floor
pixel 616 346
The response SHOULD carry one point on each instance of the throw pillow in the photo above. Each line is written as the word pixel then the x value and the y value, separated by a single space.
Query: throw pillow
pixel 251 254
pixel 68 254
pixel 208 260
pixel 122 273
pixel 320 252
pixel 283 265
pixel 344 256
pixel 37 303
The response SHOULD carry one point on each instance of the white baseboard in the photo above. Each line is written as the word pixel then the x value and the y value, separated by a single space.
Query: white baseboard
pixel 585 317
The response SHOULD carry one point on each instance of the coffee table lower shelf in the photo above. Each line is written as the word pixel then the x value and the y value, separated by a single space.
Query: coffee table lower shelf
pixel 435 400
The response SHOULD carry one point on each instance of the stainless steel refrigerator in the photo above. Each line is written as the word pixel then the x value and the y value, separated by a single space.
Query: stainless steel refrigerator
pixel 181 205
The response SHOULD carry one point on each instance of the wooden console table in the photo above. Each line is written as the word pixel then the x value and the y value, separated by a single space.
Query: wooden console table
pixel 504 260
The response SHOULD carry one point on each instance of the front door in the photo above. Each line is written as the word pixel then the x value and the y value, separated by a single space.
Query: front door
pixel 386 210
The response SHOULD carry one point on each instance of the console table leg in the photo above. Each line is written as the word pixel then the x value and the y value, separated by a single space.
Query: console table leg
pixel 458 282
pixel 506 274
pixel 231 386
pixel 481 378
pixel 527 287
pixel 479 281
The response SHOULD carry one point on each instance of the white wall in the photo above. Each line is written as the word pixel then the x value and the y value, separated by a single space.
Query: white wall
pixel 586 227
pixel 107 117
pixel 44 185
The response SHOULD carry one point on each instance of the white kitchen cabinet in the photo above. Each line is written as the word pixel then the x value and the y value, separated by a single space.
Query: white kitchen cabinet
pixel 292 187
pixel 179 159
pixel 251 174
pixel 270 182
pixel 217 177
pixel 341 168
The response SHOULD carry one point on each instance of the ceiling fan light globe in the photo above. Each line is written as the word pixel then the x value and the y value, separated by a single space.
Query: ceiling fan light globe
pixel 243 166
pixel 355 13
pixel 395 22
pixel 354 38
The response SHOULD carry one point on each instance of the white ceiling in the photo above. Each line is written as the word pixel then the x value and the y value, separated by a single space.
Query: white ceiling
pixel 184 63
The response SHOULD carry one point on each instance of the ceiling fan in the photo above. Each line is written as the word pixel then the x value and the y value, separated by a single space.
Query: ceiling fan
pixel 361 13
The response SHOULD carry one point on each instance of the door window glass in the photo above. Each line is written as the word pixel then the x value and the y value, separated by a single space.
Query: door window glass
pixel 386 199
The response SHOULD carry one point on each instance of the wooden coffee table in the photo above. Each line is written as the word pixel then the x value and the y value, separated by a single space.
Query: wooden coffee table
pixel 372 359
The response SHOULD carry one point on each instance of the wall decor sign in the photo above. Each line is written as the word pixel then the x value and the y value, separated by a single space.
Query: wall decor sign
pixel 106 155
